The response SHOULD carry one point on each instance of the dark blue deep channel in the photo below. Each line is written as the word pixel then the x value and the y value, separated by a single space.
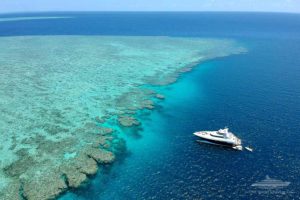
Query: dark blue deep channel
pixel 256 94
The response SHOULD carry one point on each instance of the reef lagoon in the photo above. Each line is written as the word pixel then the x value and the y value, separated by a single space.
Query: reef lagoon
pixel 103 105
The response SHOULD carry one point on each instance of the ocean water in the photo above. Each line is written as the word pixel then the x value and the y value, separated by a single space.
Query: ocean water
pixel 256 94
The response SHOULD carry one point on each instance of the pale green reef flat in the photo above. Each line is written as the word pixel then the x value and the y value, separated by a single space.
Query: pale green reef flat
pixel 57 94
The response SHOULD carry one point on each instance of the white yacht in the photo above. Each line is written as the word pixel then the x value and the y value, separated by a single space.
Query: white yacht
pixel 221 137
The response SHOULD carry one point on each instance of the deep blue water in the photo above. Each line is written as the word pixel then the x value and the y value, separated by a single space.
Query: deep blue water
pixel 256 94
pixel 222 24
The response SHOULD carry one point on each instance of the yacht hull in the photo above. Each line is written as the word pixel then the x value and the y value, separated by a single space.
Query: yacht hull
pixel 204 140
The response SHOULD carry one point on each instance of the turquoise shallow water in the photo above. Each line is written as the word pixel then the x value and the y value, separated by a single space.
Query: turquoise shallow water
pixel 256 94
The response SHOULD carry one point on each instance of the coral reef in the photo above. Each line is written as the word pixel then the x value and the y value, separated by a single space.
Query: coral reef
pixel 160 96
pixel 128 121
pixel 63 98
pixel 43 187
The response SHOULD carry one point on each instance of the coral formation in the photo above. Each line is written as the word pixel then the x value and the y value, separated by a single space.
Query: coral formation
pixel 128 121
pixel 160 96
